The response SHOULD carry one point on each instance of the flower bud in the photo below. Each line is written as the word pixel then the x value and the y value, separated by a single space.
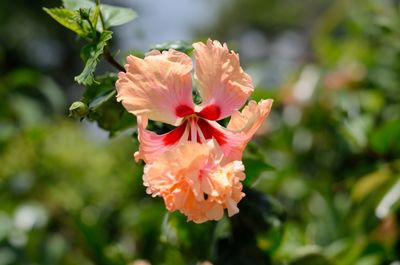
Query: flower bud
pixel 78 109
pixel 84 13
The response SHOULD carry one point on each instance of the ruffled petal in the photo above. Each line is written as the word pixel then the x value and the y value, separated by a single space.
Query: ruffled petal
pixel 223 85
pixel 168 171
pixel 242 126
pixel 158 87
pixel 152 145
pixel 178 177
pixel 240 129
pixel 214 212
pixel 250 118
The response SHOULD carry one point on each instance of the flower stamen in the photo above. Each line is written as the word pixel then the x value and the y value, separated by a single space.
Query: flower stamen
pixel 193 129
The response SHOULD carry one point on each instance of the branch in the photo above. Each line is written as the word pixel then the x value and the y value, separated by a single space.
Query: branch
pixel 107 55
pixel 110 59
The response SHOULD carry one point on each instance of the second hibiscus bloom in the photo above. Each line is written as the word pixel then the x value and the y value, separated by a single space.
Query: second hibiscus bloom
pixel 196 167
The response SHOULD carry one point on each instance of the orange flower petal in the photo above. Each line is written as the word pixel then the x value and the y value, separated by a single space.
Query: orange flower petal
pixel 152 145
pixel 244 125
pixel 223 85
pixel 178 175
pixel 250 118
pixel 158 87
pixel 240 129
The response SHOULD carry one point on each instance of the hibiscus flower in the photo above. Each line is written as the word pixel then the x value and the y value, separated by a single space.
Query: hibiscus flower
pixel 195 167
pixel 159 88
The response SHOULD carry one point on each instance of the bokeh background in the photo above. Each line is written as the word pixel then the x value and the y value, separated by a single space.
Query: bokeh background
pixel 323 173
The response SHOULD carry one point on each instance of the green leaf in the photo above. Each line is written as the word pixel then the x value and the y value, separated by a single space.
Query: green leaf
pixel 113 15
pixel 68 18
pixel 385 138
pixel 81 21
pixel 77 4
pixel 94 16
pixel 102 99
pixel 106 85
pixel 181 46
pixel 125 120
pixel 103 107
pixel 86 77
pixel 254 163
pixel 109 114
pixel 87 51
pixel 254 168
pixel 369 183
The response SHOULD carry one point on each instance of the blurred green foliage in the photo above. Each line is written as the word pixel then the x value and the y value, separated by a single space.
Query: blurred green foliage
pixel 323 175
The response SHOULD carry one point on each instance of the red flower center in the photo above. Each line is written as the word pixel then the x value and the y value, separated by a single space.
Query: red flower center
pixel 196 123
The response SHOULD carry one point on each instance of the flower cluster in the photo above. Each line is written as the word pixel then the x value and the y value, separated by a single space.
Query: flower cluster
pixel 196 168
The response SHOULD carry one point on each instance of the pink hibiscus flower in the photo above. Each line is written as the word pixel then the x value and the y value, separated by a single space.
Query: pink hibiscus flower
pixel 159 88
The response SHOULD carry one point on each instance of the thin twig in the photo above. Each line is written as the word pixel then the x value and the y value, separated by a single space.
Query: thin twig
pixel 103 24
pixel 110 59
pixel 107 55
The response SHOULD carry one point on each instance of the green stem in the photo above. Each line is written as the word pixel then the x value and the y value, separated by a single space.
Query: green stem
pixel 106 53
pixel 103 24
